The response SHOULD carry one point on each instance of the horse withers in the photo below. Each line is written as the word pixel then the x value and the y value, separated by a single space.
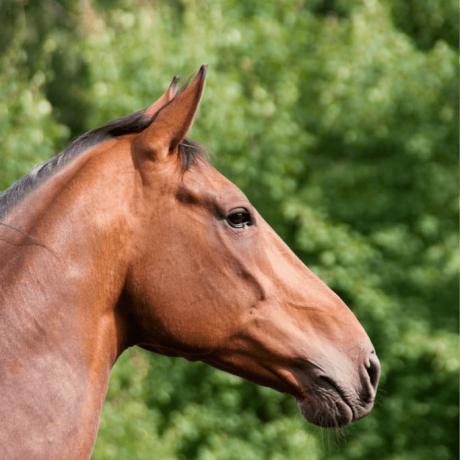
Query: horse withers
pixel 130 237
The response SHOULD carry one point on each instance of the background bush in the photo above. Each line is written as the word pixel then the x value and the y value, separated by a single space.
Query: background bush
pixel 338 119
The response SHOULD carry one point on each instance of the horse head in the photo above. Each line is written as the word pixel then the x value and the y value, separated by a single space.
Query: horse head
pixel 208 279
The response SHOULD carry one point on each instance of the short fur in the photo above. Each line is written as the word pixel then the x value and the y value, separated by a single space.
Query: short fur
pixel 134 123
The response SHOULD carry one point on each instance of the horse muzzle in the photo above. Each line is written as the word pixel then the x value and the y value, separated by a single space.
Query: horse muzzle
pixel 332 403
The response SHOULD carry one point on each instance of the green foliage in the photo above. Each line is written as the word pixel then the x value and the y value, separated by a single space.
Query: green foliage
pixel 28 132
pixel 427 22
pixel 338 119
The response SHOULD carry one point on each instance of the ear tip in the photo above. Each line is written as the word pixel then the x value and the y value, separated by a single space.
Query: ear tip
pixel 174 81
pixel 203 70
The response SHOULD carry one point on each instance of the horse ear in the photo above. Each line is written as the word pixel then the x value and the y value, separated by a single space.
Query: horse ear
pixel 168 96
pixel 174 119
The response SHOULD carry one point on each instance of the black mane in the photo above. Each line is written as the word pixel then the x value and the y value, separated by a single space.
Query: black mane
pixel 134 123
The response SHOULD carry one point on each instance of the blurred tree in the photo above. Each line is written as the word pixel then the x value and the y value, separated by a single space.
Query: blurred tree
pixel 338 119
pixel 427 22
pixel 54 30
pixel 28 132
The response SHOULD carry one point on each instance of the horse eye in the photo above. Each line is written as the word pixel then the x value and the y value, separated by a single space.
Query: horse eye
pixel 239 218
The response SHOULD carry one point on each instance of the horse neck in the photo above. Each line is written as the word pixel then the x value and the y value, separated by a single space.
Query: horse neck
pixel 61 330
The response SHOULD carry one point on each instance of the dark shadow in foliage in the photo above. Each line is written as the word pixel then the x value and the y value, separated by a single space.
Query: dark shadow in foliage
pixel 427 22
pixel 66 73
pixel 10 18
pixel 330 8
pixel 66 90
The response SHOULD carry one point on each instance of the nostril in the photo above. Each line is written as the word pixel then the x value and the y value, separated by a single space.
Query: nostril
pixel 373 370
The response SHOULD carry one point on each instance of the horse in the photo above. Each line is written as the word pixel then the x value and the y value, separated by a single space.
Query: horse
pixel 130 237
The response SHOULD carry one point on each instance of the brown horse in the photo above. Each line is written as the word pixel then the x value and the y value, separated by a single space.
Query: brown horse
pixel 130 237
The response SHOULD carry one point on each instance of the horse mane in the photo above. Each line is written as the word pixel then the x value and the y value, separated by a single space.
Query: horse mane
pixel 134 123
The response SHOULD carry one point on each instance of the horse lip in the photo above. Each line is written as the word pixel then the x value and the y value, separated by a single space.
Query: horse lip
pixel 342 415
pixel 331 385
pixel 352 404
pixel 319 376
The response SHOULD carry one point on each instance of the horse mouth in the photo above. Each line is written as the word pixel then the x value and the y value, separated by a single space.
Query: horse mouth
pixel 327 405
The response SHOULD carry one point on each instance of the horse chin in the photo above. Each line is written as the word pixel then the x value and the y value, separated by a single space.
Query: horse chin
pixel 326 413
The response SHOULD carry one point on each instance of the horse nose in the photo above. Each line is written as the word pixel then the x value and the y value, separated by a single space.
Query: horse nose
pixel 370 374
pixel 373 370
